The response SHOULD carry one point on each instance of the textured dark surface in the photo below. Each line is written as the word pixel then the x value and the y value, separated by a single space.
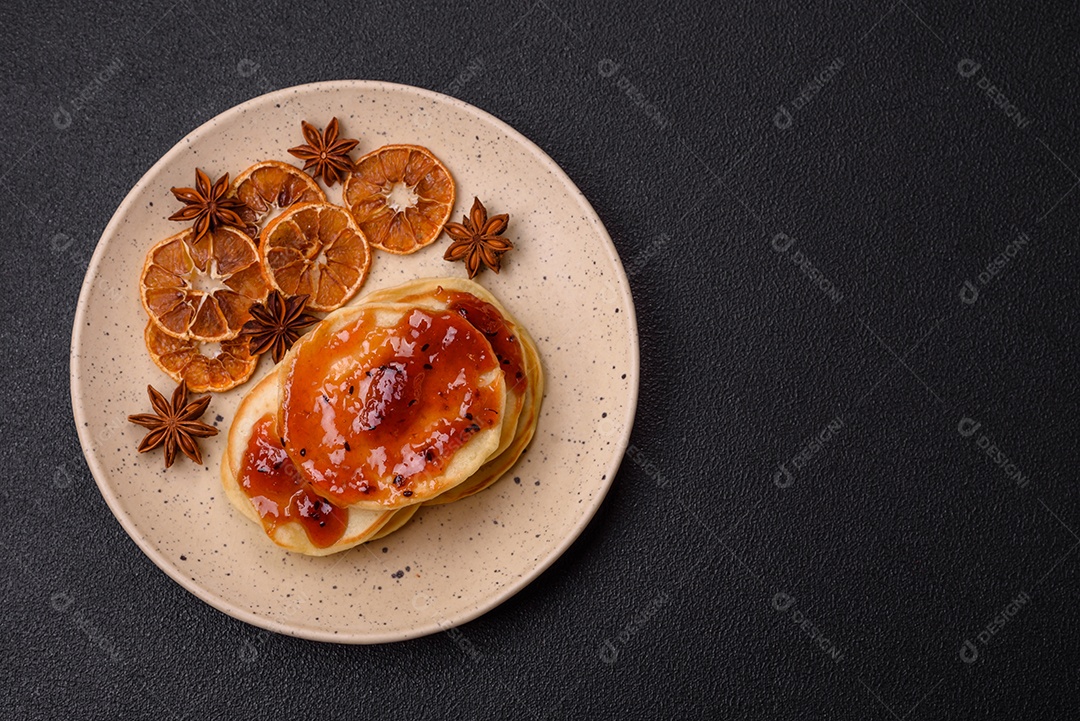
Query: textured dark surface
pixel 897 181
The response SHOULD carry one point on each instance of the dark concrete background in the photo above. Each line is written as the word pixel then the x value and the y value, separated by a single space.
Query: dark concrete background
pixel 801 193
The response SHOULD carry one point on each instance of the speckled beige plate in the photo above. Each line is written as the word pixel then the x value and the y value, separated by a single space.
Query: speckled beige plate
pixel 563 281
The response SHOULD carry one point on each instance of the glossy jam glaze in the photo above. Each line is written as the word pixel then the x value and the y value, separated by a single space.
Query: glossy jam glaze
pixel 488 320
pixel 280 495
pixel 369 412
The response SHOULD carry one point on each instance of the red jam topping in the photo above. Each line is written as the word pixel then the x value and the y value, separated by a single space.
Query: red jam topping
pixel 489 321
pixel 280 495
pixel 369 413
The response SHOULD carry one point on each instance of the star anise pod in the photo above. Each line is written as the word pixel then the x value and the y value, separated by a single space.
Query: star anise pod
pixel 276 323
pixel 207 205
pixel 175 424
pixel 477 240
pixel 325 152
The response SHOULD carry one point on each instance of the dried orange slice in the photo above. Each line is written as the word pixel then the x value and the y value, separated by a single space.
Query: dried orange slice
pixel 202 291
pixel 317 250
pixel 272 185
pixel 400 195
pixel 203 367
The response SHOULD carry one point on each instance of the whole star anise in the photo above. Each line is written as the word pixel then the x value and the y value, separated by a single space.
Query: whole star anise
pixel 477 240
pixel 276 323
pixel 325 152
pixel 175 424
pixel 207 205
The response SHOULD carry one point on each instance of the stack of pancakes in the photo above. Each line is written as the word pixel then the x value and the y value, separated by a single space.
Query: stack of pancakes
pixel 421 394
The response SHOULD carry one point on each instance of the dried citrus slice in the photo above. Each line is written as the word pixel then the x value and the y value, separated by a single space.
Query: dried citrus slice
pixel 203 367
pixel 317 250
pixel 202 291
pixel 400 195
pixel 272 185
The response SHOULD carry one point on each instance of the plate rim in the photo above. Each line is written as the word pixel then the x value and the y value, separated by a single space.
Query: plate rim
pixel 223 604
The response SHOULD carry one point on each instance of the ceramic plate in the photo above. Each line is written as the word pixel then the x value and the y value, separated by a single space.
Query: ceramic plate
pixel 563 281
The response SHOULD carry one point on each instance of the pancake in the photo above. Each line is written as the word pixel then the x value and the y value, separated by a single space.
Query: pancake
pixel 494 469
pixel 279 502
pixel 474 303
pixel 524 393
pixel 400 519
pixel 388 405
pixel 335 526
